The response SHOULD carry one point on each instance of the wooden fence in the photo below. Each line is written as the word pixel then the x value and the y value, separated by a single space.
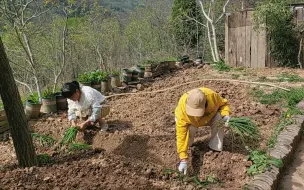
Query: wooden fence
pixel 245 47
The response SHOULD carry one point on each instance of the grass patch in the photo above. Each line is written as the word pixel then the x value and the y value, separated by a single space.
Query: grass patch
pixel 221 66
pixel 80 146
pixel 288 77
pixel 69 136
pixel 44 140
pixel 44 159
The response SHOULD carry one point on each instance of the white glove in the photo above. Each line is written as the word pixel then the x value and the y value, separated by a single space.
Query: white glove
pixel 183 167
pixel 226 119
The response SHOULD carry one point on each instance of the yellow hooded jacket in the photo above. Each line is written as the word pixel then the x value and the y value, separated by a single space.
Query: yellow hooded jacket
pixel 215 103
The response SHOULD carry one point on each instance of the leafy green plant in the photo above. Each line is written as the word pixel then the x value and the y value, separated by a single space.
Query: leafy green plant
pixel 279 127
pixel 277 19
pixel 115 72
pixel 44 159
pixel 48 93
pixel 289 77
pixel 98 76
pixel 69 136
pixel 44 140
pixel 34 98
pixel 244 127
pixel 262 162
pixel 221 66
pixel 79 146
pixel 85 78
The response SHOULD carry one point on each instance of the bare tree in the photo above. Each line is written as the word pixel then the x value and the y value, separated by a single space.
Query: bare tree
pixel 15 113
pixel 20 14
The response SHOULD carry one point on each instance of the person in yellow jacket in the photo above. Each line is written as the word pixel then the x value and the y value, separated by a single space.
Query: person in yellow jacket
pixel 197 108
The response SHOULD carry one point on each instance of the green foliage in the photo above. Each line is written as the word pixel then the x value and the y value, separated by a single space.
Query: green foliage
pixel 279 127
pixel 276 18
pixel 69 136
pixel 195 179
pixel 98 76
pixel 244 127
pixel 79 146
pixel 186 32
pixel 289 77
pixel 85 77
pixel 33 98
pixel 262 162
pixel 48 93
pixel 114 72
pixel 44 140
pixel 44 159
pixel 221 66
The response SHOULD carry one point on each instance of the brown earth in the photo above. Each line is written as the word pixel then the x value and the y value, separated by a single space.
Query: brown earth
pixel 140 143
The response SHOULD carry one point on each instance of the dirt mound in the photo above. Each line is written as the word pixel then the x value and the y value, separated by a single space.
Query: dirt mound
pixel 140 143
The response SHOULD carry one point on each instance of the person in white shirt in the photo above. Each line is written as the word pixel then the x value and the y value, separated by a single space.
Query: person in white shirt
pixel 84 103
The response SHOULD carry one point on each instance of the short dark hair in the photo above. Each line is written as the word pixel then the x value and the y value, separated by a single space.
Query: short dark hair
pixel 69 89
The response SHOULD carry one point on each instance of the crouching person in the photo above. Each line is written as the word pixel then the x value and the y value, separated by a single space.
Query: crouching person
pixel 86 106
pixel 198 108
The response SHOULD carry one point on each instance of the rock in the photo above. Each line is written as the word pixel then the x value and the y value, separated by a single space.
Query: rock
pixel 248 163
pixel 148 172
pixel 300 105
pixel 46 178
pixel 140 87
pixel 134 90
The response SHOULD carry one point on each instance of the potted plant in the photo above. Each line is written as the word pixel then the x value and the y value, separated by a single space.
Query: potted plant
pixel 84 79
pixel 48 101
pixel 126 75
pixel 104 77
pixel 32 106
pixel 96 78
pixel 115 78
pixel 61 102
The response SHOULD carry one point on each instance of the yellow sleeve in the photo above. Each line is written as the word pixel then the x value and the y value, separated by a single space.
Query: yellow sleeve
pixel 223 104
pixel 182 137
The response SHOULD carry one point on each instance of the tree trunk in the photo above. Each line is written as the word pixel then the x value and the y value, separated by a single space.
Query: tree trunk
pixel 299 54
pixel 15 113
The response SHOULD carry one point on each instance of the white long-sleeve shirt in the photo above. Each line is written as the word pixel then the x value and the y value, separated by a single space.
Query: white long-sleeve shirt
pixel 89 102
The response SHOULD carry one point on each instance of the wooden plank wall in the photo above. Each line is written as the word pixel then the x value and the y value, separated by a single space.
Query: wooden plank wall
pixel 245 47
pixel 299 19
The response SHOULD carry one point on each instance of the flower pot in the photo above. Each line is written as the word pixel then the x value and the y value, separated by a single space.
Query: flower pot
pixel 115 81
pixel 61 102
pixel 140 71
pixel 84 84
pixel 172 65
pixel 49 105
pixel 134 75
pixel 32 110
pixel 97 86
pixel 126 75
pixel 105 86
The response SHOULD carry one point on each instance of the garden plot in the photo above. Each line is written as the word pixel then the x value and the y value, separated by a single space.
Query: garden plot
pixel 139 151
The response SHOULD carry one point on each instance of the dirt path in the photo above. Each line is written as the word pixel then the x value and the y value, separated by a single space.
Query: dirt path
pixel 294 175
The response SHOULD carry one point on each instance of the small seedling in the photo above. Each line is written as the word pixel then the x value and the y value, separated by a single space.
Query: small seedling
pixel 262 162
pixel 77 147
pixel 69 135
pixel 44 140
pixel 44 159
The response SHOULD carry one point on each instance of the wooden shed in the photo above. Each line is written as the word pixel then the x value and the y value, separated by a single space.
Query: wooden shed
pixel 245 47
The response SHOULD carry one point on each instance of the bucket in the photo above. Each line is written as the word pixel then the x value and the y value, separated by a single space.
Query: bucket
pixel 134 75
pixel 61 102
pixel 97 86
pixel 48 105
pixel 105 86
pixel 126 75
pixel 141 71
pixel 84 84
pixel 115 81
pixel 32 110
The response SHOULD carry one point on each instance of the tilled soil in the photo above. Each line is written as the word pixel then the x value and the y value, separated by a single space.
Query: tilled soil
pixel 140 143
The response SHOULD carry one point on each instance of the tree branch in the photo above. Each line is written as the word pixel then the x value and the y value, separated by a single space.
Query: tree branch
pixel 224 11
pixel 25 84
pixel 193 19
pixel 204 13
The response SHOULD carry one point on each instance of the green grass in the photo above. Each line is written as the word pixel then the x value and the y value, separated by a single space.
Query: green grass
pixel 44 159
pixel 77 147
pixel 221 66
pixel 288 77
pixel 44 140
pixel 69 136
